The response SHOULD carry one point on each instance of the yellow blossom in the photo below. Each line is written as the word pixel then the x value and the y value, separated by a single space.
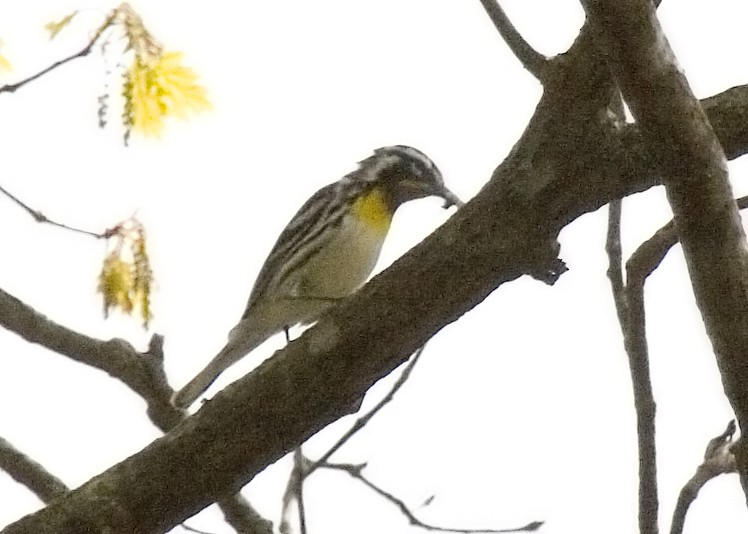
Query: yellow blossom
pixel 158 87
pixel 126 277
pixel 115 283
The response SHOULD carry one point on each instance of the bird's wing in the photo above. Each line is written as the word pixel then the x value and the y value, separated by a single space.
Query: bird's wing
pixel 300 239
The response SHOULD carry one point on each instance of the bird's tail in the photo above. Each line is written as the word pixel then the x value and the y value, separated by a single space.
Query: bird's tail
pixel 259 323
pixel 234 350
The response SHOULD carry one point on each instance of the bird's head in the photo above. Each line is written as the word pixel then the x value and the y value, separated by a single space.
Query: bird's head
pixel 406 173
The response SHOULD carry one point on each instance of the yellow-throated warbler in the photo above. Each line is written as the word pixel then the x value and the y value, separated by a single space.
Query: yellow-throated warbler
pixel 326 252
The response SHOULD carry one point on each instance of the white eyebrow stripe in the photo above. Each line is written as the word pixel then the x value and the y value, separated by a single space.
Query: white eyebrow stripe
pixel 409 152
pixel 416 154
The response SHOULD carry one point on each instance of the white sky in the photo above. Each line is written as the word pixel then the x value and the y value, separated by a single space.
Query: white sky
pixel 520 411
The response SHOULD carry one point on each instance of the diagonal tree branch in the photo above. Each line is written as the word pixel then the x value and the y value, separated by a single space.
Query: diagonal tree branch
pixel 39 217
pixel 695 176
pixel 31 474
pixel 533 61
pixel 83 52
pixel 356 472
pixel 13 87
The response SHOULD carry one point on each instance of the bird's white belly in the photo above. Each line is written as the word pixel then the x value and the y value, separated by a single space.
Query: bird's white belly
pixel 344 264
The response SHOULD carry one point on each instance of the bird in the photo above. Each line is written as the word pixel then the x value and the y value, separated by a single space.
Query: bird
pixel 325 253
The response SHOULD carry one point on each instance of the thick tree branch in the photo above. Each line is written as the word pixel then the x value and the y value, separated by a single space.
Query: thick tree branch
pixel 695 176
pixel 26 471
pixel 533 61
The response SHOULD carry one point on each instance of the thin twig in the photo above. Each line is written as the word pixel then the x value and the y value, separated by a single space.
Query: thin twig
pixel 188 528
pixel 31 474
pixel 613 250
pixel 362 421
pixel 301 462
pixel 303 467
pixel 39 217
pixel 355 471
pixel 13 87
pixel 629 303
pixel 294 493
pixel 531 59
pixel 718 460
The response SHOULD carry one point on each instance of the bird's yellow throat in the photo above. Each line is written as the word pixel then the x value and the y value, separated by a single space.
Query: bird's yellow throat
pixel 372 207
